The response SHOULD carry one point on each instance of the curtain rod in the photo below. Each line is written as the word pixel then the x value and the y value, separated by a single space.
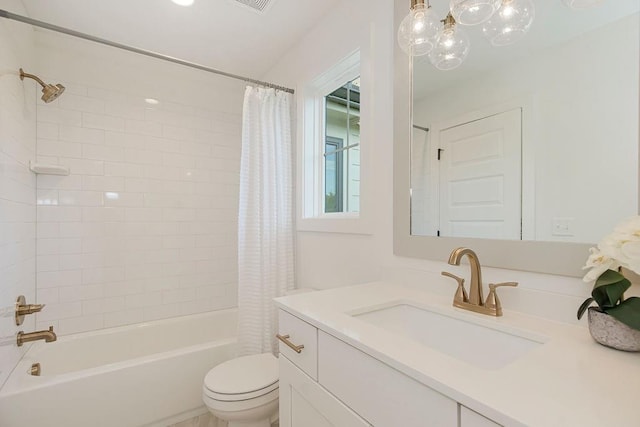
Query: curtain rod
pixel 47 26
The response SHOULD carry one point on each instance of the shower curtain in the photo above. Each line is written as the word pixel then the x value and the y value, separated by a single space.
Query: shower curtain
pixel 265 226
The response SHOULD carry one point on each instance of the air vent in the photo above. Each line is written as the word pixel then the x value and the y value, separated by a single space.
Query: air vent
pixel 257 5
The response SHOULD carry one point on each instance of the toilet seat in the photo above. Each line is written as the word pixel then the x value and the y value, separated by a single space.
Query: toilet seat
pixel 244 378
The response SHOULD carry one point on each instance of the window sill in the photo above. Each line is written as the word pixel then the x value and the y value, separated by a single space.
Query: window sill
pixel 335 224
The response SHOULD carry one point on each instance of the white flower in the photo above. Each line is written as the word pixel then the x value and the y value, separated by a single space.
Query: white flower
pixel 621 248
pixel 598 263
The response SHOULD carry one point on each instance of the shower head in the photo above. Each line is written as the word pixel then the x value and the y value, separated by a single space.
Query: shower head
pixel 49 92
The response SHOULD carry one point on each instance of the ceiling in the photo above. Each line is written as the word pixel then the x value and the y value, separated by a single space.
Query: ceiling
pixel 221 34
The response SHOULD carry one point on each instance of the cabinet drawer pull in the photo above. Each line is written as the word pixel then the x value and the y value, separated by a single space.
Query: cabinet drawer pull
pixel 285 339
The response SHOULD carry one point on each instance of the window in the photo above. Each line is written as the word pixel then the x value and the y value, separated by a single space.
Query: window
pixel 342 149
pixel 331 158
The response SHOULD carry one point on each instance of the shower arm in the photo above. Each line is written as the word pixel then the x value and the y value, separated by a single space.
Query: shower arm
pixel 31 76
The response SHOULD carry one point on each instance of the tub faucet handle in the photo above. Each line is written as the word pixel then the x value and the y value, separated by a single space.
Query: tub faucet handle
pixel 23 309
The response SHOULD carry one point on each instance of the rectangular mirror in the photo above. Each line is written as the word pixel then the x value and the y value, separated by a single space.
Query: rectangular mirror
pixel 521 145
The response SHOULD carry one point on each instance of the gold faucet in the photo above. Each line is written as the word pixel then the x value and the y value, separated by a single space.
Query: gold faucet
pixel 47 336
pixel 474 301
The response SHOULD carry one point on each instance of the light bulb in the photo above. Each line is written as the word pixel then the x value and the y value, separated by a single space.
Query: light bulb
pixel 582 4
pixel 451 48
pixel 510 23
pixel 473 12
pixel 183 2
pixel 418 30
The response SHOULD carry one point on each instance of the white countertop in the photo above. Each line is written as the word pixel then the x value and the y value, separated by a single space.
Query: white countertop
pixel 568 381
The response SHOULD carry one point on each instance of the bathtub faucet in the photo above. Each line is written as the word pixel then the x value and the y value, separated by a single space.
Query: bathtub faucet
pixel 47 336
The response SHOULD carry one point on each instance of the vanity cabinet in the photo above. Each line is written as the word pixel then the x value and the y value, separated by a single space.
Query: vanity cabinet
pixel 303 402
pixel 469 418
pixel 331 383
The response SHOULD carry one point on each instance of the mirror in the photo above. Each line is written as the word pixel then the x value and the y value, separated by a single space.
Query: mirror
pixel 536 141
pixel 568 107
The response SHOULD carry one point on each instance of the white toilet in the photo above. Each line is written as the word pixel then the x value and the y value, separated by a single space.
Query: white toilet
pixel 243 391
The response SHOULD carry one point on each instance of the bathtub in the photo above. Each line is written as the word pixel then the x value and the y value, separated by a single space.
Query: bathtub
pixel 147 374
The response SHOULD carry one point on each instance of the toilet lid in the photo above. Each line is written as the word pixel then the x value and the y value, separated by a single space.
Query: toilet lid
pixel 243 375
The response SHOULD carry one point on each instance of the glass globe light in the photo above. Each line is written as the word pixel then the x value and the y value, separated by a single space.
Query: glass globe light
pixel 418 30
pixel 452 46
pixel 510 23
pixel 582 4
pixel 473 12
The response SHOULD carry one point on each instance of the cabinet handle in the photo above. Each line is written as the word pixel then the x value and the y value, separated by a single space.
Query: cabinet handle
pixel 285 339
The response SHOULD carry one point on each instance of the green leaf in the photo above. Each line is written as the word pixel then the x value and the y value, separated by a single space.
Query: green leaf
pixel 627 312
pixel 583 307
pixel 609 289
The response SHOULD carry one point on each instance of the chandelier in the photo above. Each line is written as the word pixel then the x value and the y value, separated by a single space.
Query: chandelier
pixel 503 22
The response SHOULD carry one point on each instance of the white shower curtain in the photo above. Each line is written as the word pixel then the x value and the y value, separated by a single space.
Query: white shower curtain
pixel 265 226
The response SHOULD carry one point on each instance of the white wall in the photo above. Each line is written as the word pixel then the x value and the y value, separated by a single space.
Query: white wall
pixel 584 144
pixel 17 184
pixel 145 226
pixel 326 260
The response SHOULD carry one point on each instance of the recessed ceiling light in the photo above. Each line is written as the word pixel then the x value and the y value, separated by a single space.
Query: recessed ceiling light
pixel 183 2
pixel 152 101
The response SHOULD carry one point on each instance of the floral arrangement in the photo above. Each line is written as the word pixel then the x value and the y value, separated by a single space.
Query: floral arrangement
pixel 620 249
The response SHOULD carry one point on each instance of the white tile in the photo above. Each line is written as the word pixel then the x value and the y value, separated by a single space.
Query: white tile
pixel 72 182
pixel 47 130
pixel 120 318
pixel 79 198
pixel 100 121
pixel 83 166
pixel 127 109
pixel 143 214
pixel 132 200
pixel 63 310
pixel 80 324
pixel 102 152
pixel 142 156
pixel 143 300
pixel 143 127
pixel 80 293
pixel 103 183
pixel 102 214
pixel 56 279
pixel 102 275
pixel 81 135
pixel 128 287
pixel 51 147
pixel 48 230
pixel 59 246
pixel 59 214
pixel 47 263
pixel 47 114
pixel 178 295
pixel 104 305
pixel 81 103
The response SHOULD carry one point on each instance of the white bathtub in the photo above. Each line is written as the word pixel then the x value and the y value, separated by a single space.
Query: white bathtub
pixel 128 376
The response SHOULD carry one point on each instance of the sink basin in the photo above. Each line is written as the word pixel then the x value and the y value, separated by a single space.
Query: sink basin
pixel 479 345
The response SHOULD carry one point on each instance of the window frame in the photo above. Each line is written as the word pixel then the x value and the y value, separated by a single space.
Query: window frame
pixel 311 141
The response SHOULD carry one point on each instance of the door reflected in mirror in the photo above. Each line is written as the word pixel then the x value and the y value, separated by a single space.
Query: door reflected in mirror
pixel 533 141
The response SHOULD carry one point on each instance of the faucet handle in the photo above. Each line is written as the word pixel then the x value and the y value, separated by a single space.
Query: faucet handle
pixel 461 292
pixel 493 302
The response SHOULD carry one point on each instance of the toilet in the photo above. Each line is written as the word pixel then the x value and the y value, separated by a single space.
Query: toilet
pixel 243 391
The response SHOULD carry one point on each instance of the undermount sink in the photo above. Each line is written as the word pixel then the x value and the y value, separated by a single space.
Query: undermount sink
pixel 476 344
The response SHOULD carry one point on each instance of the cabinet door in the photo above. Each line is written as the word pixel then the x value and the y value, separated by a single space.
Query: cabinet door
pixel 303 403
pixel 378 393
pixel 469 418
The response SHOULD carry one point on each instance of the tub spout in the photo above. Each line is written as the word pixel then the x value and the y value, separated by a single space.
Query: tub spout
pixel 47 336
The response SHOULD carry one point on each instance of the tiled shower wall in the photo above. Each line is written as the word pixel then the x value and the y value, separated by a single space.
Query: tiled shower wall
pixel 17 185
pixel 144 227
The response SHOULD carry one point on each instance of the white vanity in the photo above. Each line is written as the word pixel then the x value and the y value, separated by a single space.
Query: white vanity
pixel 386 355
